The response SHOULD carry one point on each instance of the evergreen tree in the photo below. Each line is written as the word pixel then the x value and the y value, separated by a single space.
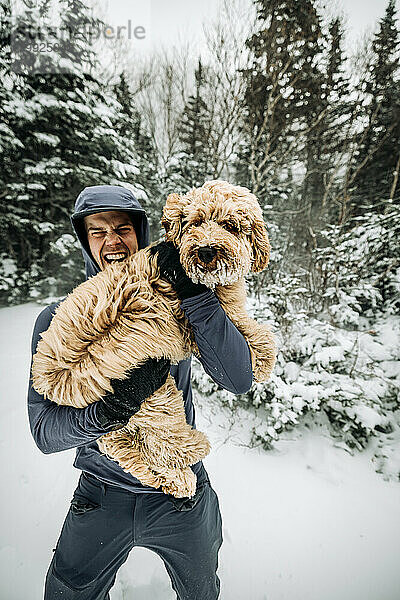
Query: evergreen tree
pixel 78 27
pixel 378 157
pixel 130 128
pixel 279 87
pixel 330 140
pixel 12 221
pixel 66 122
pixel 8 141
pixel 192 164
pixel 329 112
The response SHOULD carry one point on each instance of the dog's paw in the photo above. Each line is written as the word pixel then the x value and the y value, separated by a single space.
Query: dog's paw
pixel 181 483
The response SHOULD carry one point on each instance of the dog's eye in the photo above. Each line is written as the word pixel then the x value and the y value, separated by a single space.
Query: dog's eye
pixel 231 227
pixel 196 223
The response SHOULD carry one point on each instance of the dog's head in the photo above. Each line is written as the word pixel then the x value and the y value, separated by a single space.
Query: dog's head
pixel 219 231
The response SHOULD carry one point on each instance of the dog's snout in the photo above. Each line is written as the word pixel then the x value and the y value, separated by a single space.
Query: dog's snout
pixel 206 254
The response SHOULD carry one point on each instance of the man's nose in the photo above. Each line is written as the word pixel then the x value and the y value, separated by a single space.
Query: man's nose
pixel 112 238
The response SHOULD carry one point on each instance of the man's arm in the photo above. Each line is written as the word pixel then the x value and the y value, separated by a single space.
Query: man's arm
pixel 224 352
pixel 55 428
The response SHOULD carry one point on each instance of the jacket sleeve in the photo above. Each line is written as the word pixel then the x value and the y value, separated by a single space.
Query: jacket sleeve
pixel 224 352
pixel 55 428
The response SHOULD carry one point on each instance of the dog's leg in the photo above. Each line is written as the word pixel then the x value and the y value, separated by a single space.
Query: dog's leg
pixel 157 446
pixel 258 335
pixel 181 483
pixel 120 446
pixel 123 447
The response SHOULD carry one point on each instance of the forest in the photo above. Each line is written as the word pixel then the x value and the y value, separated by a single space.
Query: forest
pixel 276 103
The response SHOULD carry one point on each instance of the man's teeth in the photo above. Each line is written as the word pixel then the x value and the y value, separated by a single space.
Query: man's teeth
pixel 116 256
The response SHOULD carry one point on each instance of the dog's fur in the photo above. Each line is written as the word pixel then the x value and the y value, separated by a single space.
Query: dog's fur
pixel 127 313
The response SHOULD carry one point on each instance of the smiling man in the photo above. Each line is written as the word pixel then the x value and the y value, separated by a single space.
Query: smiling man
pixel 112 237
pixel 111 511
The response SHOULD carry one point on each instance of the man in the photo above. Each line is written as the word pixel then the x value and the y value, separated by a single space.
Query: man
pixel 111 511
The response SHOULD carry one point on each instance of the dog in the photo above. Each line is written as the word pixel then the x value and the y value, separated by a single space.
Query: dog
pixel 126 313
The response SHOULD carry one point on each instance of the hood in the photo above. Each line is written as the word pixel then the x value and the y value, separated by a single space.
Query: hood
pixel 100 198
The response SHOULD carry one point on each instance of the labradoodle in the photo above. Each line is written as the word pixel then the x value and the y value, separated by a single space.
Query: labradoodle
pixel 127 313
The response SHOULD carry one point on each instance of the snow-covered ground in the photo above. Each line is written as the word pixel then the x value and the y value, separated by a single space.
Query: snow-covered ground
pixel 304 522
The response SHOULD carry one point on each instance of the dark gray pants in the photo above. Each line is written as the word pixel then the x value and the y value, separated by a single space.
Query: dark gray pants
pixel 105 522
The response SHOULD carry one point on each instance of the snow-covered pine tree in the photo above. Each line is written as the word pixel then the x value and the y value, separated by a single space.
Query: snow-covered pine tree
pixel 341 114
pixel 328 117
pixel 192 164
pixel 48 118
pixel 282 155
pixel 130 128
pixel 79 28
pixel 13 223
pixel 379 141
pixel 276 96
pixel 66 123
pixel 7 83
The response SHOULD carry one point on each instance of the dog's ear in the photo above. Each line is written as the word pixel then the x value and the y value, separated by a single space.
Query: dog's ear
pixel 260 245
pixel 172 217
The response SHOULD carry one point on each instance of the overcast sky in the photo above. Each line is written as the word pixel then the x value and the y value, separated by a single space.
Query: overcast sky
pixel 169 21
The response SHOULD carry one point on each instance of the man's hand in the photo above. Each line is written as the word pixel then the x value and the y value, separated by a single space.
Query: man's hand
pixel 115 410
pixel 171 269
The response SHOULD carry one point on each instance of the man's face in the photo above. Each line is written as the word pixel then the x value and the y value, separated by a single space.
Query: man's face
pixel 111 236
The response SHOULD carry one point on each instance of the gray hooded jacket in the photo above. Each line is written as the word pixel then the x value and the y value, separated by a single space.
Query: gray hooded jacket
pixel 224 354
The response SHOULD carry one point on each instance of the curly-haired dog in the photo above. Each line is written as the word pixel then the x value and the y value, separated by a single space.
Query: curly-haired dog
pixel 125 314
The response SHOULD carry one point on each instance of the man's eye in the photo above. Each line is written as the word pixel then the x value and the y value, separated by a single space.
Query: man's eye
pixel 124 230
pixel 97 234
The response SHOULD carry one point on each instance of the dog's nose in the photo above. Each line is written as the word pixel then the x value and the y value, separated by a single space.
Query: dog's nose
pixel 206 254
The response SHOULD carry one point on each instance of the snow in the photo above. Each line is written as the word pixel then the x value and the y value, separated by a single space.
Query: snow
pixel 69 66
pixel 35 186
pixel 366 415
pixel 8 267
pixel 136 190
pixel 64 244
pixel 306 521
pixel 21 109
pixel 44 227
pixel 44 166
pixel 46 138
pixel 79 106
pixel 124 169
